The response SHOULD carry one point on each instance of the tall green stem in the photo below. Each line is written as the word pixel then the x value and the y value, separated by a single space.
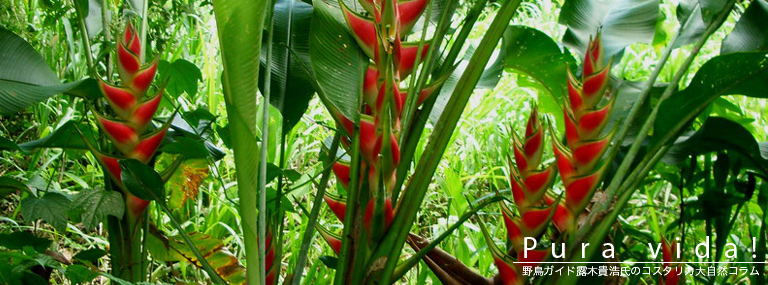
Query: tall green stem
pixel 264 152
pixel 316 205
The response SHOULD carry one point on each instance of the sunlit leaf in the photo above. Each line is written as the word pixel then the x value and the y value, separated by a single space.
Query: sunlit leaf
pixel 185 182
pixel 25 77
pixel 173 248
pixel 622 22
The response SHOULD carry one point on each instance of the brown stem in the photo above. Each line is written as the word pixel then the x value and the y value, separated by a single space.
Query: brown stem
pixel 447 267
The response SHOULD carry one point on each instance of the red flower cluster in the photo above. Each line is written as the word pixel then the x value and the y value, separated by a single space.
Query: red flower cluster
pixel 132 113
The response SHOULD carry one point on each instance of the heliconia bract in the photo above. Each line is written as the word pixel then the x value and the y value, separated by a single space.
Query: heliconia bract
pixel 133 113
pixel 378 34
pixel 585 116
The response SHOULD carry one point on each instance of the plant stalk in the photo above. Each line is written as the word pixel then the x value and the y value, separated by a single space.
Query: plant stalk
pixel 313 215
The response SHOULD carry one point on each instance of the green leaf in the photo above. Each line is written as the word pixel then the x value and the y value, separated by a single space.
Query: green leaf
pixel 142 181
pixel 488 79
pixel 93 255
pixel 337 61
pixel 750 33
pixel 77 274
pixel 173 248
pixel 623 22
pixel 94 21
pixel 93 206
pixel 181 75
pixel 689 11
pixel 51 208
pixel 65 137
pixel 536 55
pixel 25 77
pixel 10 185
pixel 188 147
pixel 291 87
pixel 185 182
pixel 240 26
pixel 20 240
pixel 719 134
pixel 731 74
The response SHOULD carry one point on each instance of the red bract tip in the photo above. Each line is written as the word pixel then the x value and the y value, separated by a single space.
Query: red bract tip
pixel 337 204
pixel 571 130
pixel 333 241
pixel 513 229
pixel 594 87
pixel 534 221
pixel 342 173
pixel 135 45
pixel 136 206
pixel 517 194
pixel 592 123
pixel 120 98
pixel 370 86
pixel 507 272
pixel 143 79
pixel 537 183
pixel 574 94
pixel 121 134
pixel 147 146
pixel 562 218
pixel 586 155
pixel 580 191
pixel 368 140
pixel 533 147
pixel 520 158
pixel 127 61
pixel 409 13
pixel 128 33
pixel 145 111
pixel 362 29
pixel 405 57
pixel 111 165
pixel 388 214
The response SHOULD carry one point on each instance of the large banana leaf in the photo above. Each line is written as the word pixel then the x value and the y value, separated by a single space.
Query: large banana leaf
pixel 623 22
pixel 240 25
pixel 750 33
pixel 291 87
pixel 534 54
pixel 337 61
pixel 731 74
pixel 25 77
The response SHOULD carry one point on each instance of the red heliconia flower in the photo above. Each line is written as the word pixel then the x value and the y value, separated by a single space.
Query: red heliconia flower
pixel 675 273
pixel 585 117
pixel 513 229
pixel 269 260
pixel 363 30
pixel 333 240
pixel 387 212
pixel 133 115
pixel 405 56
pixel 337 204
pixel 529 182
